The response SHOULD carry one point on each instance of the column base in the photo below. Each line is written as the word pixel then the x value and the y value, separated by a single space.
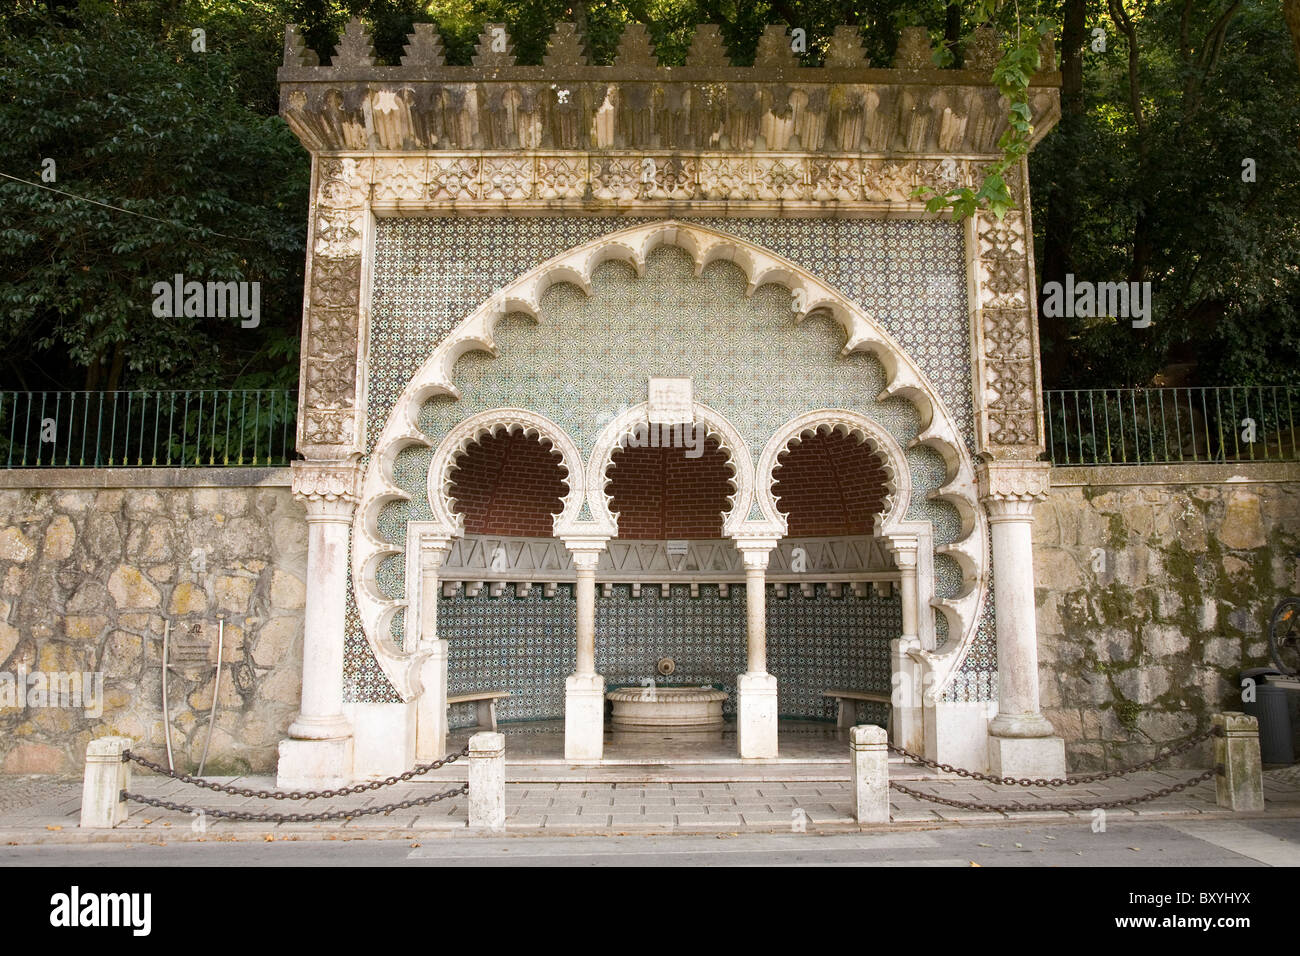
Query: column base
pixel 1021 725
pixel 314 764
pixel 584 717
pixel 431 705
pixel 1027 756
pixel 756 715
pixel 335 727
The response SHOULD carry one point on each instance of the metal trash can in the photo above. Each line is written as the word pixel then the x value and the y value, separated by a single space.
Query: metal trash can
pixel 1276 706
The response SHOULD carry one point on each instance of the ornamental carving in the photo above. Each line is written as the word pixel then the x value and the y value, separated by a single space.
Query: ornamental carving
pixel 326 482
pixel 561 177
pixel 1014 481
pixel 885 181
pixel 1006 345
pixel 452 179
pixel 501 104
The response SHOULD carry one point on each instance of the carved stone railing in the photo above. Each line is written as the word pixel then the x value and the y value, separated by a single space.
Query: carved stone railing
pixel 841 564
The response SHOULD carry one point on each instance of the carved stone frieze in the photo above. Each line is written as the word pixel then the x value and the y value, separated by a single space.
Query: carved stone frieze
pixel 452 179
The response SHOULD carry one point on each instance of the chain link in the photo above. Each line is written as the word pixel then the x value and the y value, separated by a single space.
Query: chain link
pixel 1014 807
pixel 296 817
pixel 296 794
pixel 1071 781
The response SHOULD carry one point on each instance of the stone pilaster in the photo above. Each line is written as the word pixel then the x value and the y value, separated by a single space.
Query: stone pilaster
pixel 319 751
pixel 908 718
pixel 1022 742
pixel 431 706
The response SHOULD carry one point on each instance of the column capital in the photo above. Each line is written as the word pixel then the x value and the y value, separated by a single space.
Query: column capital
pixel 433 549
pixel 1014 482
pixel 904 548
pixel 586 550
pixel 755 551
pixel 328 489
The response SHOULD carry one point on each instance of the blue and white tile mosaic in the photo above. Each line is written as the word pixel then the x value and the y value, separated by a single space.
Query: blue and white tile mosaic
pixel 525 645
pixel 431 272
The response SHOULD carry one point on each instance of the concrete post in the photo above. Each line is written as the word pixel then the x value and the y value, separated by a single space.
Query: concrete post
pixel 107 775
pixel 868 744
pixel 1240 785
pixel 487 782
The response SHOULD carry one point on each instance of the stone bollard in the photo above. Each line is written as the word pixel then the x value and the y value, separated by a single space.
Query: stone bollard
pixel 107 775
pixel 1240 785
pixel 487 782
pixel 869 745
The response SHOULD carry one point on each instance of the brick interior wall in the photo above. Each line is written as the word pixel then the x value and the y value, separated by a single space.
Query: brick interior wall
pixel 830 484
pixel 659 493
pixel 509 484
pixel 512 484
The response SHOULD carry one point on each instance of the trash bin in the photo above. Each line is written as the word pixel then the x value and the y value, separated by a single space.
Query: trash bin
pixel 1277 698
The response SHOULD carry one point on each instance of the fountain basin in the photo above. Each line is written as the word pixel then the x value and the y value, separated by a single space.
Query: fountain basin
pixel 657 709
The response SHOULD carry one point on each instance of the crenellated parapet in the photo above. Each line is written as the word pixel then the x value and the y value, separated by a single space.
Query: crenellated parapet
pixel 567 103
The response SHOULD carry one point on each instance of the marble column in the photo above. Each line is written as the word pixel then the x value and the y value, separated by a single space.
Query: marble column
pixel 907 721
pixel 584 689
pixel 1022 742
pixel 318 752
pixel 431 705
pixel 756 705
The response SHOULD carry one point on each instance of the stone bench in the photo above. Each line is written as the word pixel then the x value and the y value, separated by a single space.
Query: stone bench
pixel 486 701
pixel 848 698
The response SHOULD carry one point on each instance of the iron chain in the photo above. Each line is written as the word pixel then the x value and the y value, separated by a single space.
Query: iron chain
pixel 1014 807
pixel 416 771
pixel 296 817
pixel 1071 781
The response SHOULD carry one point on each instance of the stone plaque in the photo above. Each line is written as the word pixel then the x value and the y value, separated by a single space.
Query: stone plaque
pixel 671 401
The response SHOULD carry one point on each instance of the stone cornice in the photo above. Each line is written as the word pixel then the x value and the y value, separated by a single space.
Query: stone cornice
pixel 636 104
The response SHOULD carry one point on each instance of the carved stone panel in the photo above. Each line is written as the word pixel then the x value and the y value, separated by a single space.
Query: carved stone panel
pixel 329 419
pixel 1008 382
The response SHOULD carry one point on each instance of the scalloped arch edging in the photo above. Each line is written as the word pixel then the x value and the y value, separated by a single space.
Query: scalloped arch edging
pixel 586 506
pixel 970 550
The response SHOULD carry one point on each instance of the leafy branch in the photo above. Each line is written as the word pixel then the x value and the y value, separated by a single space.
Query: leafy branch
pixel 1019 62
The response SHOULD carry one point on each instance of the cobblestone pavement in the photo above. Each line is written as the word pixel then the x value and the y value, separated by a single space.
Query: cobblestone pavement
pixel 46 810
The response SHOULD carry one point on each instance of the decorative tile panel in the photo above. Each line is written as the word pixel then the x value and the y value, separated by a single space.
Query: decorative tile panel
pixel 909 275
pixel 525 645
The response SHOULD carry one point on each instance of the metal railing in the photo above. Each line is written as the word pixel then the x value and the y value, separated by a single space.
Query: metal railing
pixel 147 429
pixel 1145 426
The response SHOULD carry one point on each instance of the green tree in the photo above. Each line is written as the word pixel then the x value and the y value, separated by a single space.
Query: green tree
pixel 205 185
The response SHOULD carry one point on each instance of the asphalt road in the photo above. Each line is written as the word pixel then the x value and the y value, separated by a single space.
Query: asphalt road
pixel 1176 844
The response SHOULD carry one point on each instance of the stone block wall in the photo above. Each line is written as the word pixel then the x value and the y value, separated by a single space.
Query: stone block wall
pixel 1154 588
pixel 1155 585
pixel 87 575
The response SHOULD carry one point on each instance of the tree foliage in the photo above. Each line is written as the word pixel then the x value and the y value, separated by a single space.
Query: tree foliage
pixel 1141 180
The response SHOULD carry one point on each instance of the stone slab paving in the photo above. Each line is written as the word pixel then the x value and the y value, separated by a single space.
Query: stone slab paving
pixel 35 809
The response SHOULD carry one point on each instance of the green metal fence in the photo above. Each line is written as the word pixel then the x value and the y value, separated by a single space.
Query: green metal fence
pixel 147 429
pixel 1139 426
